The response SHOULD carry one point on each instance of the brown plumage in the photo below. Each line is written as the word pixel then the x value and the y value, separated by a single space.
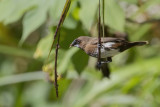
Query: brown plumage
pixel 110 47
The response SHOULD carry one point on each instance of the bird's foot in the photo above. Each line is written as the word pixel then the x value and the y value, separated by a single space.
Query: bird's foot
pixel 99 64
pixel 104 62
pixel 101 46
pixel 109 59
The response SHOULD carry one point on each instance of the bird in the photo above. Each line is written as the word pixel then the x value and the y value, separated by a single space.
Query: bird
pixel 110 46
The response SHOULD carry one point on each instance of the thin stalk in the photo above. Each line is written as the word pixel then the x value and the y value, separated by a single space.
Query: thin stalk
pixel 55 70
pixel 99 35
pixel 63 15
pixel 103 7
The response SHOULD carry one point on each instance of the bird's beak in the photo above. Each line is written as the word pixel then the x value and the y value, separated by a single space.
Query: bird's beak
pixel 72 44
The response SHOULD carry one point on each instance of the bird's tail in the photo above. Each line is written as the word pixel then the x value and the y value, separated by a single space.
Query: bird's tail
pixel 138 43
pixel 132 44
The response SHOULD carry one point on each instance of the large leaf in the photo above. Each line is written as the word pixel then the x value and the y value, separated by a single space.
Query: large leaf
pixel 56 9
pixel 88 12
pixel 15 51
pixel 13 10
pixel 114 15
pixel 43 47
pixel 80 61
pixel 34 19
pixel 60 23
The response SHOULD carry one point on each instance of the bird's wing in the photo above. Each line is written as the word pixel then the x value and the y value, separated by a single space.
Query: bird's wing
pixel 94 41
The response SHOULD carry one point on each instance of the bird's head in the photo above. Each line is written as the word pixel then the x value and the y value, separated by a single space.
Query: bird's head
pixel 76 43
pixel 80 42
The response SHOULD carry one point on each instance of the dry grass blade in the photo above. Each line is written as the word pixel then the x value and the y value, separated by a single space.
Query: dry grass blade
pixel 63 16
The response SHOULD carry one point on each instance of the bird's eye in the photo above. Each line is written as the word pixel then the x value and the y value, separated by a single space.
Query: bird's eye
pixel 77 41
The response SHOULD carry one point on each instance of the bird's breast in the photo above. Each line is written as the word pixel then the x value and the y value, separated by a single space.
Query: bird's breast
pixel 108 53
pixel 107 50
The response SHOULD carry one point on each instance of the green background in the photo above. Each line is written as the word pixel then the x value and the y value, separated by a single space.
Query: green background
pixel 26 33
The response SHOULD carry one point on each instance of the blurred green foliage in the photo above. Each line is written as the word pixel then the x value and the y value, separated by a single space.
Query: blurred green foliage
pixel 135 74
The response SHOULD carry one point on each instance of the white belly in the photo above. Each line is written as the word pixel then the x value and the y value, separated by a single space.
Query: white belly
pixel 108 52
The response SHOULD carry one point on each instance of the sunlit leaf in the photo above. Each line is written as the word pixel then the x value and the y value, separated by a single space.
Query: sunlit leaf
pixel 88 12
pixel 55 10
pixel 130 1
pixel 15 51
pixel 114 15
pixel 34 19
pixel 43 47
pixel 18 7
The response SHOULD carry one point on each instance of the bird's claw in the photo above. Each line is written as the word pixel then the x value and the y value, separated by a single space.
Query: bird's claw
pixel 101 46
pixel 104 62
pixel 99 64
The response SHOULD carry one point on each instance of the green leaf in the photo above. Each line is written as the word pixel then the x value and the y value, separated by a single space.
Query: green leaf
pixel 70 23
pixel 114 15
pixel 4 11
pixel 34 19
pixel 69 35
pixel 56 9
pixel 15 51
pixel 88 12
pixel 117 99
pixel 130 1
pixel 148 67
pixel 23 77
pixel 66 60
pixel 13 10
pixel 140 32
pixel 80 61
pixel 43 46
pixel 61 20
